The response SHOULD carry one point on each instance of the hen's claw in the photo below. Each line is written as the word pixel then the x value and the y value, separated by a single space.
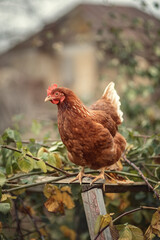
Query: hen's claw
pixel 100 176
pixel 78 177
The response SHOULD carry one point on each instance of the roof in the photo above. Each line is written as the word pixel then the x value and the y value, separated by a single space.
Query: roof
pixel 96 22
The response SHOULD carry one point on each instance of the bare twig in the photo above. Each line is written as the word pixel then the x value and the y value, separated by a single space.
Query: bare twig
pixel 147 170
pixel 33 220
pixel 142 136
pixel 18 229
pixel 134 210
pixel 142 176
pixel 124 214
pixel 37 159
pixel 24 175
pixel 33 184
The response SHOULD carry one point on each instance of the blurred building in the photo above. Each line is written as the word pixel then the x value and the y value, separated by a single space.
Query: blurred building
pixel 73 52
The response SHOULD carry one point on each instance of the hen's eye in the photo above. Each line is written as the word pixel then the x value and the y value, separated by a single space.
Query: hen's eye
pixel 56 93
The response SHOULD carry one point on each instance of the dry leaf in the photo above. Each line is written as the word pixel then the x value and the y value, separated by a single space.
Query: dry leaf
pixel 54 206
pixel 43 232
pixel 49 190
pixel 0 227
pixel 27 210
pixel 112 196
pixel 58 198
pixel 67 200
pixel 148 234
pixel 155 223
pixel 124 202
pixel 58 195
pixel 68 232
pixel 6 196
pixel 116 166
pixel 154 227
pixel 66 189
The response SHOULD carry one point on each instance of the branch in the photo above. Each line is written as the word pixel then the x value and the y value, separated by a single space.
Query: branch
pixel 34 184
pixel 142 136
pixel 142 176
pixel 24 175
pixel 37 159
pixel 55 179
pixel 33 220
pixel 134 210
pixel 124 214
pixel 148 171
pixel 18 228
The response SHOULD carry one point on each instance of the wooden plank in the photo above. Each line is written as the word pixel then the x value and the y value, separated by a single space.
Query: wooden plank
pixel 120 188
pixel 94 206
pixel 107 187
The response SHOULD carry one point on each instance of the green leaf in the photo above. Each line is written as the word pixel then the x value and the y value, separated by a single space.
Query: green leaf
pixel 42 166
pixel 97 224
pixel 9 169
pixel 2 179
pixel 58 159
pixel 0 192
pixel 5 208
pixel 53 148
pixel 19 145
pixel 129 232
pixel 41 151
pixel 137 216
pixel 124 232
pixel 32 140
pixel 157 172
pixel 26 164
pixel 11 135
pixel 54 159
pixel 36 127
pixel 57 146
pixel 137 233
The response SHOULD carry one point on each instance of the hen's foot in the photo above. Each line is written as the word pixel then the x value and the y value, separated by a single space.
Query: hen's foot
pixel 111 177
pixel 80 176
pixel 100 176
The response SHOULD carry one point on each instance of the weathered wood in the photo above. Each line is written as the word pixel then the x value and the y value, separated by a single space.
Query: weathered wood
pixel 107 187
pixel 94 206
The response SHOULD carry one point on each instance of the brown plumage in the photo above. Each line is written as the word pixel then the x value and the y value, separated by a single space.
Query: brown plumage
pixel 89 134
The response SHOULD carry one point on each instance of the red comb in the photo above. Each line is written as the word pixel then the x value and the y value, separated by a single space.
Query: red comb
pixel 49 90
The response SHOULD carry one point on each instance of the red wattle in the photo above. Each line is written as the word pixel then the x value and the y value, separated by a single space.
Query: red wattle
pixel 55 101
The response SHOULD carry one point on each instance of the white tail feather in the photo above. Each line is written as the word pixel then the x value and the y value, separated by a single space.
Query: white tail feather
pixel 111 94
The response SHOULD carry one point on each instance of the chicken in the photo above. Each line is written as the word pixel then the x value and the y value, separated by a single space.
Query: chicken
pixel 90 134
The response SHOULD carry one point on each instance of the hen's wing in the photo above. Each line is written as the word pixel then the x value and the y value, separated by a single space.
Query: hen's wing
pixel 109 105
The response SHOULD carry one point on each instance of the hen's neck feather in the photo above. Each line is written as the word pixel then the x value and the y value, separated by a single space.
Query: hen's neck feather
pixel 72 104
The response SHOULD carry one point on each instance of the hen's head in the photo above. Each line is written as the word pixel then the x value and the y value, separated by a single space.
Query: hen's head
pixel 54 95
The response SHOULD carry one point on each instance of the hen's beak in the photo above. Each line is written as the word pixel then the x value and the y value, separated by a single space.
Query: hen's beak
pixel 48 98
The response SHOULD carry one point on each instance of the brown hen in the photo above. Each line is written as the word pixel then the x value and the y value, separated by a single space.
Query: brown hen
pixel 90 134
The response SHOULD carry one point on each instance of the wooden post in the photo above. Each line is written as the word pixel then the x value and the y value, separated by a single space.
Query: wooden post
pixel 94 206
